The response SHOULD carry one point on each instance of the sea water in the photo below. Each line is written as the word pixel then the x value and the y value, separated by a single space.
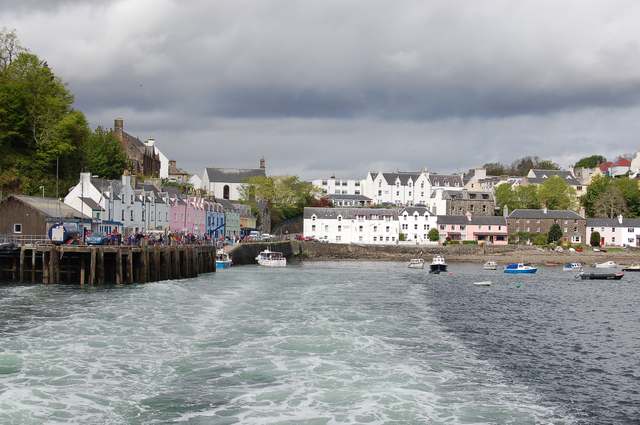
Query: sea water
pixel 324 343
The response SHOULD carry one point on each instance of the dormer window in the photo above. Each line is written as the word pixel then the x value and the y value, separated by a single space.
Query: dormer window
pixel 339 218
pixel 313 217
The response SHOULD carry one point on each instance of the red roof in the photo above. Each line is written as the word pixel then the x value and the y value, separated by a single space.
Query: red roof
pixel 622 162
pixel 604 167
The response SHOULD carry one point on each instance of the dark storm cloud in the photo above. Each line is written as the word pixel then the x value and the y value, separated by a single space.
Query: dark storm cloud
pixel 374 83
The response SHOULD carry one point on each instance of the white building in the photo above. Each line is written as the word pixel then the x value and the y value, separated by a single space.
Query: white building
pixel 164 161
pixel 333 186
pixel 619 231
pixel 377 226
pixel 115 203
pixel 227 183
pixel 408 188
pixel 415 224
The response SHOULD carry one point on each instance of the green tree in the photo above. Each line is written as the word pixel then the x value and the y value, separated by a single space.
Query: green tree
pixel 599 184
pixel 527 196
pixel 556 194
pixel 590 161
pixel 104 155
pixel 505 196
pixel 595 239
pixel 555 233
pixel 433 235
pixel 630 192
pixel 495 169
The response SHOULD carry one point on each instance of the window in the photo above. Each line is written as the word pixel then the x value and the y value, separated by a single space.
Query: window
pixel 17 228
pixel 360 228
pixel 326 228
pixel 415 227
pixel 360 238
pixel 397 193
pixel 387 239
pixel 375 228
pixel 462 227
pixel 484 208
pixel 379 193
pixel 324 182
pixel 375 238
pixel 338 238
pixel 339 218
pixel 409 193
pixel 344 183
pixel 313 227
pixel 388 229
pixel 357 184
pixel 613 239
pixel 442 227
pixel 131 215
pixel 339 228
pixel 630 230
pixel 225 191
pixel 122 215
pixel 98 215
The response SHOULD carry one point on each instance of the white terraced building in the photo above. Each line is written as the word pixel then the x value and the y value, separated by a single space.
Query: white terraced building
pixel 415 224
pixel 333 186
pixel 408 188
pixel 377 226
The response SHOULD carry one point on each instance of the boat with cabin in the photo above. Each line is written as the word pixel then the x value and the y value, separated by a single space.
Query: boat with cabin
pixel 632 268
pixel 572 267
pixel 223 260
pixel 438 264
pixel 270 258
pixel 490 265
pixel 520 268
pixel 416 263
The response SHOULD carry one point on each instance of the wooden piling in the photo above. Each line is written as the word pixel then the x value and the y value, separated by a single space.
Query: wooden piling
pixel 144 272
pixel 119 266
pixel 92 267
pixel 33 265
pixel 82 270
pixel 130 266
pixel 22 249
pixel 100 267
pixel 45 268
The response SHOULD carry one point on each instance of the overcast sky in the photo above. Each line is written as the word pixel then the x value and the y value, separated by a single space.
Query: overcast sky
pixel 347 86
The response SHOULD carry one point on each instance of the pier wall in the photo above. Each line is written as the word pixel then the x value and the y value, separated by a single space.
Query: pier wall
pixel 96 265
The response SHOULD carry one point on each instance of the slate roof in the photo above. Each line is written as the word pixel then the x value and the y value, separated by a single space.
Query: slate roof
pixel 50 207
pixel 467 195
pixel 227 205
pixel 92 204
pixel 475 220
pixel 613 222
pixel 413 209
pixel 338 197
pixel 446 180
pixel 550 214
pixel 543 175
pixel 404 177
pixel 105 185
pixel 233 175
pixel 349 213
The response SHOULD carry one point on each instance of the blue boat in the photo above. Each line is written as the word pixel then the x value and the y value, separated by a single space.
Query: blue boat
pixel 223 261
pixel 520 268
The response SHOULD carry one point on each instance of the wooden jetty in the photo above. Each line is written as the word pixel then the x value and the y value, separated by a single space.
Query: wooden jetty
pixel 97 265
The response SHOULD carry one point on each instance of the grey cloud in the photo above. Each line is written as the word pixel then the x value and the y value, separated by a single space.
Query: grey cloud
pixel 235 79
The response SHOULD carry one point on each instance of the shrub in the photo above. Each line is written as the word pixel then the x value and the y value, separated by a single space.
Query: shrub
pixel 434 235
pixel 555 233
pixel 540 239
pixel 402 237
pixel 595 239
pixel 469 242
pixel 453 242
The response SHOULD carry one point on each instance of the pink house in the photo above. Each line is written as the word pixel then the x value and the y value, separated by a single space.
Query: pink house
pixel 187 215
pixel 491 230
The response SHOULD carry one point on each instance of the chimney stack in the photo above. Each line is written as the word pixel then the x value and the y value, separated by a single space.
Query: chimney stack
pixel 263 163
pixel 620 218
pixel 118 124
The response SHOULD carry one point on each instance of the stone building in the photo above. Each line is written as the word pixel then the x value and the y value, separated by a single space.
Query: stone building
pixel 144 159
pixel 461 202
pixel 540 221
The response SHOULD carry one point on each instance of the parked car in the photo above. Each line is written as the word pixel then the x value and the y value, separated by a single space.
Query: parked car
pixel 98 239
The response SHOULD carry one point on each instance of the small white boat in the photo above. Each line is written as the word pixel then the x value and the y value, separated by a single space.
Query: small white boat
pixel 270 258
pixel 223 261
pixel 632 268
pixel 490 265
pixel 572 267
pixel 520 268
pixel 484 283
pixel 416 263
pixel 438 264
pixel 605 265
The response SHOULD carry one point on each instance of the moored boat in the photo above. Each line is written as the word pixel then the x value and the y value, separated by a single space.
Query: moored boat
pixel 438 264
pixel 605 265
pixel 270 258
pixel 490 265
pixel 416 263
pixel 223 261
pixel 572 267
pixel 520 268
pixel 484 283
pixel 632 268
pixel 600 276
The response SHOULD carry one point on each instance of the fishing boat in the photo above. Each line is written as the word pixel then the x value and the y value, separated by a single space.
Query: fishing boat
pixel 520 268
pixel 223 261
pixel 270 258
pixel 490 265
pixel 438 264
pixel 416 263
pixel 605 265
pixel 572 267
pixel 632 268
pixel 600 276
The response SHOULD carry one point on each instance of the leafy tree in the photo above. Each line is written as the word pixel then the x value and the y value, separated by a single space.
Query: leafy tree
pixel 547 164
pixel 556 194
pixel 495 169
pixel 590 161
pixel 433 235
pixel 599 184
pixel 540 239
pixel 555 233
pixel 595 239
pixel 10 47
pixel 104 155
pixel 527 196
pixel 610 203
pixel 505 195
pixel 631 194
pixel 518 197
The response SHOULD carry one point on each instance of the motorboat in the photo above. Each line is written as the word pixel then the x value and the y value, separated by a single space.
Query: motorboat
pixel 632 268
pixel 606 265
pixel 223 261
pixel 416 263
pixel 600 276
pixel 572 267
pixel 520 268
pixel 490 265
pixel 270 258
pixel 483 283
pixel 438 264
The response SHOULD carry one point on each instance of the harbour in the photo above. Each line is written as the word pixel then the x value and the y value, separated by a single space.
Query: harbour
pixel 323 343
